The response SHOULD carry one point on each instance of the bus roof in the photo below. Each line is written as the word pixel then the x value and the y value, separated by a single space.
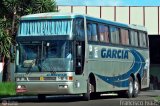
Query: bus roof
pixel 57 15
pixel 50 15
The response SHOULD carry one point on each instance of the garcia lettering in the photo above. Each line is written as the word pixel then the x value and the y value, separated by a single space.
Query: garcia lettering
pixel 114 53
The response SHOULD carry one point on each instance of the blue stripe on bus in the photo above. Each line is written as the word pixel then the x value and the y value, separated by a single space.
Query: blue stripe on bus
pixel 122 80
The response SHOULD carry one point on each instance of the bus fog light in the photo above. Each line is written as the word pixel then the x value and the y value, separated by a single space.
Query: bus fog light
pixel 18 79
pixel 23 86
pixel 66 86
pixel 63 86
pixel 22 79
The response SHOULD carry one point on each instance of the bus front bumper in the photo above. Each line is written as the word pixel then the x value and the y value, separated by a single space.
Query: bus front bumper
pixel 45 87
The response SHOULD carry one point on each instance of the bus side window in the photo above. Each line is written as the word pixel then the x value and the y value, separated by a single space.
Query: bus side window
pixel 142 39
pixel 78 28
pixel 133 38
pixel 104 33
pixel 114 35
pixel 92 32
pixel 124 36
pixel 89 32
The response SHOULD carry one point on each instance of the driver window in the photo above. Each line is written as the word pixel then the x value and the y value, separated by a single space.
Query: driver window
pixel 92 32
pixel 78 28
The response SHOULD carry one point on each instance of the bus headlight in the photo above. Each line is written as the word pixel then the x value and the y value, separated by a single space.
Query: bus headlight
pixel 21 79
pixel 18 79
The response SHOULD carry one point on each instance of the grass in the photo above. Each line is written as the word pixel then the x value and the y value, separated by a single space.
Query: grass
pixel 158 99
pixel 7 89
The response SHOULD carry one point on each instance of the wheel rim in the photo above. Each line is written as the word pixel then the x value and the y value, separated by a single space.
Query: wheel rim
pixel 130 88
pixel 90 88
pixel 136 87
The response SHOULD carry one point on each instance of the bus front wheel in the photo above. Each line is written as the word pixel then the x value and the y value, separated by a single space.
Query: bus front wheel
pixel 90 89
pixel 41 97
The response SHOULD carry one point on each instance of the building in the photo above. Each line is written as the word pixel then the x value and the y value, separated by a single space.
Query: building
pixel 130 12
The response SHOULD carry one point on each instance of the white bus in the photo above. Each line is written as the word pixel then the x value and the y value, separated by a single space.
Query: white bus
pixel 79 54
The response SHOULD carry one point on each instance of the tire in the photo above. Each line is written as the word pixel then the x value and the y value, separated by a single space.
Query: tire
pixel 136 88
pixel 86 95
pixel 90 88
pixel 121 94
pixel 130 90
pixel 95 95
pixel 41 97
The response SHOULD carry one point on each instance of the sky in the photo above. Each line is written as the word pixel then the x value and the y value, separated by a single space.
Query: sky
pixel 109 2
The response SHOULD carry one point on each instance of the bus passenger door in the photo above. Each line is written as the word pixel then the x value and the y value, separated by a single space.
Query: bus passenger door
pixel 80 54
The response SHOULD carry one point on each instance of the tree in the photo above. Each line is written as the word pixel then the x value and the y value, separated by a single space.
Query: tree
pixel 13 9
pixel 5 44
pixel 10 12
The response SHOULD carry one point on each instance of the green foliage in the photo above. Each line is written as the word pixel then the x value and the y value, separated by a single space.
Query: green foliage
pixel 24 7
pixel 11 4
pixel 5 43
pixel 157 100
pixel 5 24
pixel 7 88
pixel 39 6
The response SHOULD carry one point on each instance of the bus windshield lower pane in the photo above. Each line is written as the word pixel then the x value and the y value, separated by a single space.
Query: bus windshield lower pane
pixel 45 56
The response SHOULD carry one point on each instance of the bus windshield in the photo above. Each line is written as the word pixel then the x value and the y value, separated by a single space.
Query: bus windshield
pixel 45 56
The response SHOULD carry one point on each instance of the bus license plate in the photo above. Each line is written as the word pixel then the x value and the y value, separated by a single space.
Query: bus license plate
pixel 41 78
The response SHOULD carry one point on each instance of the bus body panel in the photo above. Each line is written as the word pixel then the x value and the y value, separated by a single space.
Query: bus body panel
pixel 112 73
pixel 52 83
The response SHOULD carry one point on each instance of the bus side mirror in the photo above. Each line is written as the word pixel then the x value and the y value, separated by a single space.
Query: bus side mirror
pixel 79 50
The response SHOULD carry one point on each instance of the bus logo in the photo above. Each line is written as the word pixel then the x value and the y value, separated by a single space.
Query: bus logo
pixel 114 53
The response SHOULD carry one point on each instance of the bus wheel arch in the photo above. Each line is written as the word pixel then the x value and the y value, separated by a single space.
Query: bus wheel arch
pixel 139 79
pixel 133 77
pixel 91 87
pixel 92 80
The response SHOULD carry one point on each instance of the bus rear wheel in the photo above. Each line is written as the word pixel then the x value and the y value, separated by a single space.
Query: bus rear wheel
pixel 130 90
pixel 136 87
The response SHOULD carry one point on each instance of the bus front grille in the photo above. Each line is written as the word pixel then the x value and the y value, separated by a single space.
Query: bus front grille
pixel 44 78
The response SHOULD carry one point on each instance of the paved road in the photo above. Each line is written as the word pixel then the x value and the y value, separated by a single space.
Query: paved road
pixel 78 101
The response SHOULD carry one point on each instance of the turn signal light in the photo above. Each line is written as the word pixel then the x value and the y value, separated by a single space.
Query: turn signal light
pixel 70 78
